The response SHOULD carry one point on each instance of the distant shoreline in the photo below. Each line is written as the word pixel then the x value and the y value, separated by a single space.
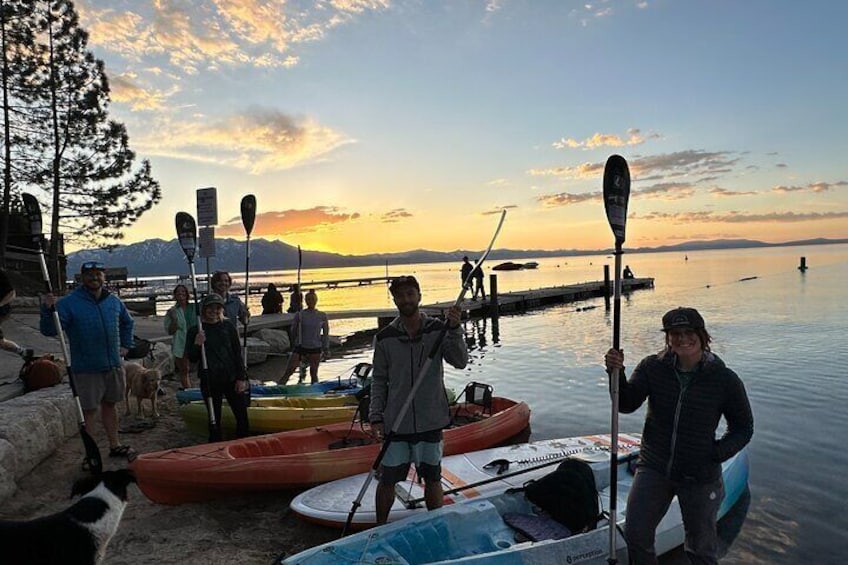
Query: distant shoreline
pixel 156 256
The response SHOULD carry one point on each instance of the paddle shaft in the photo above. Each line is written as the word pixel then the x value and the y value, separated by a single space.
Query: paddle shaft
pixel 415 501
pixel 92 453
pixel 614 386
pixel 415 386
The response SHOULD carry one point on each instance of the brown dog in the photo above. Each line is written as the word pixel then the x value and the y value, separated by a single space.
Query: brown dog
pixel 143 383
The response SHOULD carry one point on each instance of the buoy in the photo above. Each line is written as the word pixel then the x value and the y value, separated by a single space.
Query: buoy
pixel 803 266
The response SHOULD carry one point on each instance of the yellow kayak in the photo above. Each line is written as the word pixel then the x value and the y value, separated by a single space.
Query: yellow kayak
pixel 274 414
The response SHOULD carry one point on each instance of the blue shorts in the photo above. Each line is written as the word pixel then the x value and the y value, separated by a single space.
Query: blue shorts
pixel 427 456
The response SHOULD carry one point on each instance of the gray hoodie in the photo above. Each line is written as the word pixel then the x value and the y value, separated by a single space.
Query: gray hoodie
pixel 397 362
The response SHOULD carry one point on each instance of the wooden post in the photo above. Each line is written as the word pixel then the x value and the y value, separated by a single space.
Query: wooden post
pixel 803 266
pixel 606 287
pixel 493 295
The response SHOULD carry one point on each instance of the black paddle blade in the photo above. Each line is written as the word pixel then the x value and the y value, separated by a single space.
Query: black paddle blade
pixel 616 195
pixel 248 212
pixel 186 233
pixel 33 213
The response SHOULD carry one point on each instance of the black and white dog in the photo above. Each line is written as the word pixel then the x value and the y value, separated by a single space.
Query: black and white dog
pixel 79 534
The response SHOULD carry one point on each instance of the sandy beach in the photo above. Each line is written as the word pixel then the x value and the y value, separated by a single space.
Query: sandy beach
pixel 239 529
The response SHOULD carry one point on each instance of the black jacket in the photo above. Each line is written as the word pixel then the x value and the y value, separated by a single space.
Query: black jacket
pixel 679 434
pixel 223 353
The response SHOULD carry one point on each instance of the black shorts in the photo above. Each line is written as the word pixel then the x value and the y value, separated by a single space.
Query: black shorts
pixel 300 350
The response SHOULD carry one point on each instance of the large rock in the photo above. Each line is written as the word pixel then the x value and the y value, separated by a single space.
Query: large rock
pixel 7 469
pixel 278 340
pixel 35 426
pixel 257 351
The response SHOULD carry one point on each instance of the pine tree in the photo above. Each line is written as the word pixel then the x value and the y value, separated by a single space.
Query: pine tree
pixel 86 165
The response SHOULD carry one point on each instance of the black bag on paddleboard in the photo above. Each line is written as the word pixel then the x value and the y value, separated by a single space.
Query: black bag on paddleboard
pixel 568 494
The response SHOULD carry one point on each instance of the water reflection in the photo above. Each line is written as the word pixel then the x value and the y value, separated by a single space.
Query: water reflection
pixel 476 331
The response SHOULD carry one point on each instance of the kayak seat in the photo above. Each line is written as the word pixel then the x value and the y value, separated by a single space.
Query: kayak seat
pixel 533 527
pixel 479 394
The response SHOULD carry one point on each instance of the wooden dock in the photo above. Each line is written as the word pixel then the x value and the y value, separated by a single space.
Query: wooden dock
pixel 506 303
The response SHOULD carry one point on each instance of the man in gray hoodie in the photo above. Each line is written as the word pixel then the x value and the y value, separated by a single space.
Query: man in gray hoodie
pixel 400 350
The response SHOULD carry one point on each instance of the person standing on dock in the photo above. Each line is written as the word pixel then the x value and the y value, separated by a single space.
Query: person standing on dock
pixel 179 318
pixel 99 329
pixel 312 336
pixel 464 273
pixel 225 375
pixel 234 309
pixel 400 350
pixel 688 389
pixel 295 299
pixel 272 300
pixel 478 284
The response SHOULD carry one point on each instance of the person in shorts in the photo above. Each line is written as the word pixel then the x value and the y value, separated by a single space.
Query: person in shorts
pixel 400 351
pixel 99 331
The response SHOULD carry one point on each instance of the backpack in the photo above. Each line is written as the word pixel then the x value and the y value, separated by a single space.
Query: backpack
pixel 40 373
pixel 568 494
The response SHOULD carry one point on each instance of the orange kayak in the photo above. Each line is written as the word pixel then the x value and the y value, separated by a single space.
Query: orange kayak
pixel 306 457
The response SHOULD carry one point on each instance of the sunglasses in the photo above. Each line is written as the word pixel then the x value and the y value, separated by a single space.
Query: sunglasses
pixel 88 265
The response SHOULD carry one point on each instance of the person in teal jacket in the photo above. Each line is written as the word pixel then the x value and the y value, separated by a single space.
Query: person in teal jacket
pixel 99 331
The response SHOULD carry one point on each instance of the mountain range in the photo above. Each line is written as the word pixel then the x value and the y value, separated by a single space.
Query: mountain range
pixel 153 257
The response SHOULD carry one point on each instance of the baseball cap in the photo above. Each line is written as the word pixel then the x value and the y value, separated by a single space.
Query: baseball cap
pixel 400 282
pixel 212 298
pixel 682 317
pixel 92 265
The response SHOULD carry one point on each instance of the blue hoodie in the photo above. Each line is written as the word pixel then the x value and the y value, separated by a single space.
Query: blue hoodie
pixel 95 330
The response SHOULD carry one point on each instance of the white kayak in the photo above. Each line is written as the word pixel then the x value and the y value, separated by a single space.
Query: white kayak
pixel 473 530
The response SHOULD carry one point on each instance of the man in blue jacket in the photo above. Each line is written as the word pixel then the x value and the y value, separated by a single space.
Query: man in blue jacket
pixel 99 331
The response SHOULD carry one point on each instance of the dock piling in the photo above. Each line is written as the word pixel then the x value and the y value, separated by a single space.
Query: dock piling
pixel 606 287
pixel 803 266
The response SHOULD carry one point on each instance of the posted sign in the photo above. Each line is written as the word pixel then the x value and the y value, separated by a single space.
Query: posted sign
pixel 206 242
pixel 207 206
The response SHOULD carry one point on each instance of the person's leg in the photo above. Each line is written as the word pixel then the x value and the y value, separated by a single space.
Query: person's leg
pixel 181 364
pixel 648 501
pixel 433 494
pixel 314 360
pixel 293 365
pixel 699 506
pixel 109 417
pixel 383 501
pixel 236 400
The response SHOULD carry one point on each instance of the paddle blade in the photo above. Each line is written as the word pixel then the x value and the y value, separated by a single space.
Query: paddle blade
pixel 186 233
pixel 248 212
pixel 33 213
pixel 616 195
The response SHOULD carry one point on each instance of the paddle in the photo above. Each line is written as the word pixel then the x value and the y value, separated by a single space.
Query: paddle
pixel 616 197
pixel 416 384
pixel 187 236
pixel 92 454
pixel 248 217
pixel 554 459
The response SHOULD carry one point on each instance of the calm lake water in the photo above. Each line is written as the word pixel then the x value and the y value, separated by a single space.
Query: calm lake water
pixel 783 332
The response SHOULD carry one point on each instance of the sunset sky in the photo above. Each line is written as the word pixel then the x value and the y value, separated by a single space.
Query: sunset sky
pixel 387 125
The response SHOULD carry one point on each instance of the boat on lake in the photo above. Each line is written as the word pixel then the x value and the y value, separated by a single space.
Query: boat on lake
pixel 306 457
pixel 494 523
pixel 531 265
pixel 508 266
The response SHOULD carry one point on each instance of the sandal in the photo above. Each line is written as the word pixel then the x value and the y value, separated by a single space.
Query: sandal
pixel 121 451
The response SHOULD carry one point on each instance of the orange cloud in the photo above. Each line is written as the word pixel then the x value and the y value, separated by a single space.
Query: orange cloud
pixel 287 222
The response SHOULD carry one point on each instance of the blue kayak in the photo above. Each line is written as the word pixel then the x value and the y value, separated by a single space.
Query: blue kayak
pixel 350 384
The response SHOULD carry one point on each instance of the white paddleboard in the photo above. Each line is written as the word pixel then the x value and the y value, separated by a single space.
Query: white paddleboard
pixel 330 503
